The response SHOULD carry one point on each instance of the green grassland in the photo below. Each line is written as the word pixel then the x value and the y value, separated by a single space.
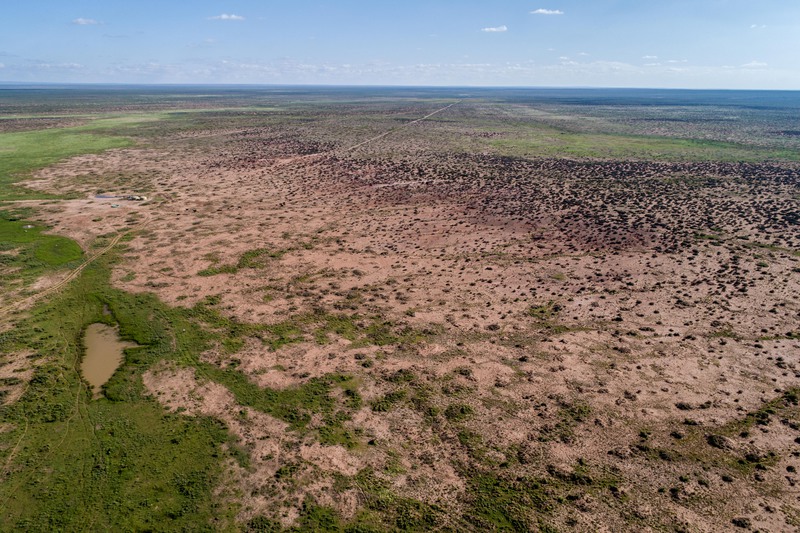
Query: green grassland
pixel 24 152
pixel 26 252
pixel 123 464
pixel 542 141
pixel 33 249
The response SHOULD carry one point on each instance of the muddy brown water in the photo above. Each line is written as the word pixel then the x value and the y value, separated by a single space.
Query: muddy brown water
pixel 103 355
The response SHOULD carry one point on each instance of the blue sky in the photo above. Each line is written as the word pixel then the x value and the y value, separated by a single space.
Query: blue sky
pixel 604 43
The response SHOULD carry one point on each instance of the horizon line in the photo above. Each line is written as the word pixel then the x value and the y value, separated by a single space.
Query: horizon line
pixel 375 86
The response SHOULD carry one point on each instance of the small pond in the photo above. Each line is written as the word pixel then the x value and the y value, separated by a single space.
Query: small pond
pixel 103 355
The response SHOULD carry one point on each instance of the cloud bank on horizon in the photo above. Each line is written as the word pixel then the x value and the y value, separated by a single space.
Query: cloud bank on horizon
pixel 632 44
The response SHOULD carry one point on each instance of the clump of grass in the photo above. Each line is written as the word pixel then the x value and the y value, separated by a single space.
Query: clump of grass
pixel 457 412
pixel 389 400
pixel 257 258
pixel 544 312
pixel 570 414
pixel 545 316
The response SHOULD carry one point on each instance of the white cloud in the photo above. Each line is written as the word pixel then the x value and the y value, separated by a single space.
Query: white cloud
pixel 542 11
pixel 755 64
pixel 649 57
pixel 757 26
pixel 496 29
pixel 226 16
pixel 2 65
pixel 80 21
pixel 674 61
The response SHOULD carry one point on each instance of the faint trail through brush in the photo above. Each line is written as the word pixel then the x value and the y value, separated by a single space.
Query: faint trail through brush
pixel 311 157
pixel 407 124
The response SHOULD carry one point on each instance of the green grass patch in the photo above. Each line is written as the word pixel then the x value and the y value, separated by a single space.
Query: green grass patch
pixel 506 505
pixel 545 317
pixel 707 237
pixel 545 141
pixel 293 405
pixel 383 511
pixel 718 449
pixel 188 330
pixel 388 400
pixel 24 152
pixel 544 312
pixel 387 512
pixel 258 258
pixel 318 325
pixel 497 502
pixel 457 412
pixel 31 247
pixel 570 414
pixel 27 253
pixel 121 463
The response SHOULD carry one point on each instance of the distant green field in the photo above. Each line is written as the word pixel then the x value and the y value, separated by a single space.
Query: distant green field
pixel 550 142
pixel 24 152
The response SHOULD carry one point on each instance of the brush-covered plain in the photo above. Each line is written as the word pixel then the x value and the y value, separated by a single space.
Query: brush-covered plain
pixel 536 310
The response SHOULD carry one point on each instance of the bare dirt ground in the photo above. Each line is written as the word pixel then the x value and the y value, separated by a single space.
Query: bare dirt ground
pixel 614 320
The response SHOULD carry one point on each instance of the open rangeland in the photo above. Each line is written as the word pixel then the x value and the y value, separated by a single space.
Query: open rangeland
pixel 410 310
